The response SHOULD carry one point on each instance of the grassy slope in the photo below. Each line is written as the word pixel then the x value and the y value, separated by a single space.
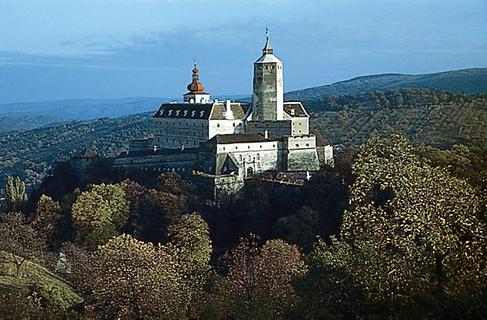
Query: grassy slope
pixel 50 287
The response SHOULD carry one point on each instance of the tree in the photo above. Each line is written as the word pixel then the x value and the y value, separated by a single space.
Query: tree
pixel 19 242
pixel 328 291
pixel 99 214
pixel 15 195
pixel 155 211
pixel 301 228
pixel 131 279
pixel 190 237
pixel 46 217
pixel 412 229
pixel 259 281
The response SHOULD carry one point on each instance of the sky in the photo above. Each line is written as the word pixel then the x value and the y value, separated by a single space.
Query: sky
pixel 58 49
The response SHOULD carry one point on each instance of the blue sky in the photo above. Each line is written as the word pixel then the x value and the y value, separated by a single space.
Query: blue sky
pixel 118 48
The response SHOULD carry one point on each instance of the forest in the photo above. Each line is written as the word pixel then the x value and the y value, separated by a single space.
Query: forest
pixel 394 230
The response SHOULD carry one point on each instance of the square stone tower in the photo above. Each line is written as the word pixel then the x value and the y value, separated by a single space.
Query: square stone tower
pixel 268 93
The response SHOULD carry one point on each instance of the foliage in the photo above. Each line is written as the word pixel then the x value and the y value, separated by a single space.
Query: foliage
pixel 19 242
pixel 259 281
pixel 133 280
pixel 190 238
pixel 15 195
pixel 426 117
pixel 412 229
pixel 46 217
pixel 328 291
pixel 99 214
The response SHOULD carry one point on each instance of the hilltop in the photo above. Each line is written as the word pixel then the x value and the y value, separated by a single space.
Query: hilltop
pixel 470 81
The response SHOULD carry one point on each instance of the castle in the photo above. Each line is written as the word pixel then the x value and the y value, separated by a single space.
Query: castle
pixel 227 142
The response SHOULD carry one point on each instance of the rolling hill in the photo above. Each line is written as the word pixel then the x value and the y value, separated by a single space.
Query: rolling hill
pixel 469 81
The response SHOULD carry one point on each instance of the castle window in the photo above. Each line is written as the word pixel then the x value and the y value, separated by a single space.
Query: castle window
pixel 249 147
pixel 260 146
pixel 236 147
pixel 218 125
pixel 307 144
pixel 297 145
pixel 234 124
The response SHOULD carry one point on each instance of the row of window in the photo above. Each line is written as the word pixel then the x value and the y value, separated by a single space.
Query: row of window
pixel 182 113
pixel 248 147
pixel 180 124
pixel 181 133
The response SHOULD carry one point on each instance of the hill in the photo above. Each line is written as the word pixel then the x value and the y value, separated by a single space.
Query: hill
pixel 50 287
pixel 30 154
pixel 469 81
pixel 427 117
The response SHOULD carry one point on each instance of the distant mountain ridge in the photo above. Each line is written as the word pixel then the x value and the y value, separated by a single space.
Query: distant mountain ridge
pixel 84 109
pixel 470 81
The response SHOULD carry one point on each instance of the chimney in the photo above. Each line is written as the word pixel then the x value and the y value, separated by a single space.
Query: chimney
pixel 228 110
pixel 266 134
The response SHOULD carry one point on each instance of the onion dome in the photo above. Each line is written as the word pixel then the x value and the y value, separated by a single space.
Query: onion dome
pixel 196 86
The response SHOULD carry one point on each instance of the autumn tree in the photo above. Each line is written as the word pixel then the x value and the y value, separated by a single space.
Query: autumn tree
pixel 190 240
pixel 19 242
pixel 154 211
pixel 412 229
pixel 46 217
pixel 259 281
pixel 99 214
pixel 131 279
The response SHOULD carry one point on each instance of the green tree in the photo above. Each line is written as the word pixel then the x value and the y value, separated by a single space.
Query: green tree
pixel 15 195
pixel 99 214
pixel 328 291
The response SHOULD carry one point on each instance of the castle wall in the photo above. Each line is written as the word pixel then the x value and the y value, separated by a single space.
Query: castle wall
pixel 300 126
pixel 299 153
pixel 173 133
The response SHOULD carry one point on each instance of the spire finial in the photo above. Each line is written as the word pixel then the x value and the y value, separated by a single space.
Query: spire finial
pixel 194 62
pixel 267 48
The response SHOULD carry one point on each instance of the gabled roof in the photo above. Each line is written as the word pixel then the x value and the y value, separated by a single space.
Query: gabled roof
pixel 184 110
pixel 238 110
pixel 295 109
pixel 211 110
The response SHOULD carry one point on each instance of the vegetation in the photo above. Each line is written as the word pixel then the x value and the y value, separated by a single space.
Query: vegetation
pixel 393 230
pixel 426 117
pixel 471 81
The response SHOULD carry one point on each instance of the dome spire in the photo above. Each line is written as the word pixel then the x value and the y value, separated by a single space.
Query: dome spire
pixel 196 86
pixel 267 48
